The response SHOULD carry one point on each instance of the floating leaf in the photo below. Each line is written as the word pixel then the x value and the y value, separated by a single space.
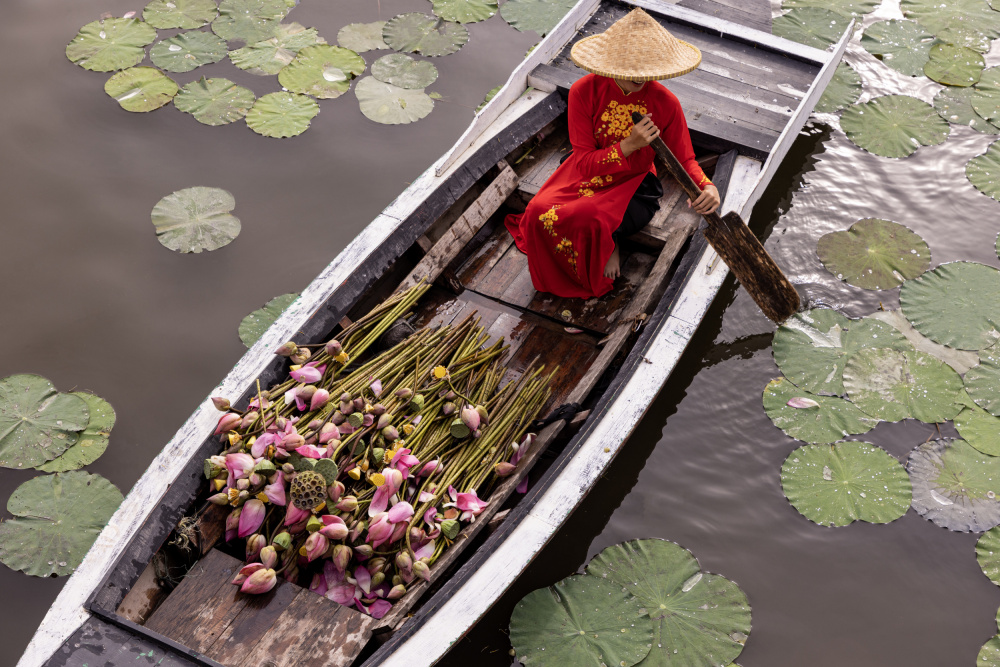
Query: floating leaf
pixel 271 55
pixel 256 323
pixel 955 486
pixel 988 555
pixel 835 485
pixel 893 125
pixel 902 45
pixel 986 98
pixel 581 621
pixel 389 104
pixel 843 90
pixel 960 360
pixel 811 26
pixel 540 16
pixel 214 101
pixel 989 654
pixel 465 11
pixel 361 37
pixel 422 33
pixel 700 619
pixel 957 304
pixel 110 44
pixel 196 219
pixel 322 71
pixel 251 21
pixel 892 385
pixel 141 89
pixel 955 106
pixel 401 70
pixel 846 8
pixel 954 65
pixel 489 96
pixel 93 440
pixel 952 19
pixel 56 520
pixel 983 171
pixel 833 420
pixel 983 381
pixel 187 51
pixel 186 14
pixel 282 114
pixel 874 254
pixel 980 429
pixel 37 423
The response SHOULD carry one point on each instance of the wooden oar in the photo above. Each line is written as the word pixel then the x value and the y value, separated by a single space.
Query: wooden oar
pixel 742 252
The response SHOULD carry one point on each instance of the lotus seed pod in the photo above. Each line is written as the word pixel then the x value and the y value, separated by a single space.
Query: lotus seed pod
pixel 398 590
pixel 377 579
pixel 300 356
pixel 333 348
pixel 504 469
pixel 396 581
pixel 470 417
pixel 450 528
pixel 255 543
pixel 376 564
pixel 484 416
pixel 221 404
pixel 364 551
pixel 390 434
pixel 356 419
pixel 328 469
pixel 313 524
pixel 448 409
pixel 306 392
pixel 248 419
pixel 211 469
pixel 422 570
pixel 287 468
pixel 368 420
pixel 404 393
pixel 383 421
pixel 459 429
pixel 347 504
pixel 378 453
pixel 282 541
pixel 308 490
pixel 219 499
pixel 286 349
pixel 417 403
pixel 359 404
pixel 338 418
pixel 378 409
pixel 403 561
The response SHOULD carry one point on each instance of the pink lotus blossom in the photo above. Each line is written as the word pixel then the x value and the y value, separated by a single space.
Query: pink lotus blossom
pixel 307 374
pixel 260 581
pixel 347 504
pixel 291 441
pixel 292 398
pixel 380 530
pixel 398 532
pixel 334 527
pixel 246 571
pixel 227 422
pixel 396 592
pixel 422 570
pixel 380 501
pixel 363 577
pixel 316 545
pixel 504 469
pixel 275 491
pixel 468 503
pixel 311 451
pixel 251 518
pixel 341 557
pixel 335 491
pixel 233 523
pixel 319 399
pixel 329 432
pixel 424 548
pixel 401 511
pixel 294 515
pixel 430 467
pixel 403 461
pixel 239 465
pixel 269 556
pixel 260 445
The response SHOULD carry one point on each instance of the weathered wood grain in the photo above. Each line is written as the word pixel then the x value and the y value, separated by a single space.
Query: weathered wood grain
pixel 98 642
pixel 143 597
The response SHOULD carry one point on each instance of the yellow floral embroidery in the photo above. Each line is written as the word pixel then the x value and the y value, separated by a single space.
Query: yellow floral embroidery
pixel 617 119
pixel 565 247
pixel 549 219
pixel 704 181
pixel 587 188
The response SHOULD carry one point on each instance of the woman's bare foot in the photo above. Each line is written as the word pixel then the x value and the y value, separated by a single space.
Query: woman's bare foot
pixel 612 268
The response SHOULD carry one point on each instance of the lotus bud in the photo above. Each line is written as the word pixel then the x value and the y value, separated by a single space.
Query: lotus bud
pixel 397 580
pixel 356 530
pixel 390 433
pixel 243 484
pixel 383 421
pixel 286 349
pixel 484 416
pixel 329 432
pixel 246 571
pixel 346 407
pixel 377 578
pixel 459 429
pixel 313 524
pixel 450 528
pixel 307 392
pixel 378 453
pixel 397 591
pixel 227 422
pixel 376 564
pixel 347 504
pixel 248 419
pixel 232 524
pixel 356 419
pixel 341 556
pixel 221 404
pixel 404 393
pixel 280 423
pixel 403 561
pixel 359 404
pixel 269 556
pixel 260 582
pixel 319 399
pixel 243 495
pixel 256 479
pixel 287 468
pixel 470 417
pixel 378 409
pixel 282 541
pixel 367 420
pixel 255 543
pixel 335 531
pixel 333 348
pixel 422 570
pixel 335 491
pixel 448 408
pixel 449 395
pixel 338 418
pixel 417 534
pixel 476 433
pixel 300 356
pixel 315 546
pixel 504 469
pixel 364 551
pixel 219 499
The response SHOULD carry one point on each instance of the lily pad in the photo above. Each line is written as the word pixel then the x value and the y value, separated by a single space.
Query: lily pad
pixel 187 51
pixel 110 44
pixel 874 254
pixel 541 16
pixel 700 619
pixel 271 55
pixel 846 8
pixel 581 621
pixel 830 420
pixel 214 101
pixel 983 381
pixel 955 486
pixel 250 21
pixel 989 654
pixel 56 520
pixel 489 96
pixel 401 70
pixel 902 45
pixel 954 65
pixel 391 105
pixel 37 423
pixel 835 485
pixel 361 37
pixel 141 89
pixel 960 360
pixel 980 429
pixel 988 555
pixel 844 89
pixel 811 26
pixel 185 14
pixel 465 11
pixel 422 33
pixel 893 385
pixel 948 20
pixel 957 304
pixel 986 99
pixel 322 71
pixel 256 323
pixel 196 219
pixel 983 171
pixel 894 125
pixel 955 106
pixel 282 114
pixel 93 440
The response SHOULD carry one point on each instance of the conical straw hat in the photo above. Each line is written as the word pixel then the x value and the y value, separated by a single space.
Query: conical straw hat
pixel 636 48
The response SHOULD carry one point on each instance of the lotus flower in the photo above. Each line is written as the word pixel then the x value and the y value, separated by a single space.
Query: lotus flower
pixel 430 468
pixel 333 348
pixel 380 530
pixel 246 571
pixel 316 545
pixel 291 441
pixel 286 349
pixel 260 581
pixel 275 491
pixel 393 480
pixel 221 404
pixel 261 443
pixel 468 503
pixel 403 461
pixel 319 399
pixel 347 504
pixel 424 548
pixel 251 518
pixel 233 523
pixel 504 469
pixel 307 374
pixel 269 556
pixel 401 511
pixel 295 515
pixel 227 422
pixel 328 432
pixel 311 451
pixel 470 417
pixel 422 570
pixel 341 557
pixel 334 527
pixel 397 591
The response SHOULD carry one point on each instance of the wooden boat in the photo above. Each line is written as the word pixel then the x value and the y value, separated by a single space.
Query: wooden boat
pixel 745 106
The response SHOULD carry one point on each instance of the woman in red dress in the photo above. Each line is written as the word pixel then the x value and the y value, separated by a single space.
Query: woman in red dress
pixel 607 186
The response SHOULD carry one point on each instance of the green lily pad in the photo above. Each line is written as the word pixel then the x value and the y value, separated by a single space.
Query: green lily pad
pixel 391 105
pixel 56 520
pixel 988 555
pixel 893 125
pixel 541 16
pixel 983 381
pixel 986 98
pixel 893 385
pixel 980 429
pixel 401 70
pixel 361 37
pixel 983 171
pixel 700 619
pixel 465 11
pixel 185 14
pixel 322 71
pixel 110 44
pixel 955 106
pixel 955 486
pixel 196 219
pixel 422 33
pixel 141 89
pixel 830 420
pixel 214 101
pixel 271 55
pixel 954 65
pixel 989 654
pixel 282 114
pixel 811 26
pixel 37 423
pixel 846 8
pixel 489 96
pixel 93 440
pixel 874 254
pixel 902 45
pixel 957 304
pixel 950 19
pixel 835 485
pixel 250 21
pixel 843 90
pixel 960 360
pixel 187 51
pixel 581 621
pixel 256 323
